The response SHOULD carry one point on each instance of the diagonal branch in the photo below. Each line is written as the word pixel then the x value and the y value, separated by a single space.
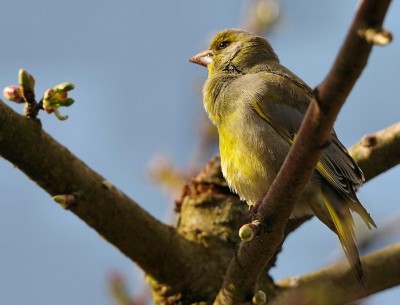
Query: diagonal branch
pixel 245 268
pixel 335 283
pixel 93 199
pixel 375 153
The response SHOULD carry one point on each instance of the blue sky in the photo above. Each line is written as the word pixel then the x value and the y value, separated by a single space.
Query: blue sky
pixel 136 96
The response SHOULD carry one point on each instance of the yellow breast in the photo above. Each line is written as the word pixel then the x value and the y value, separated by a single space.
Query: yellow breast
pixel 244 168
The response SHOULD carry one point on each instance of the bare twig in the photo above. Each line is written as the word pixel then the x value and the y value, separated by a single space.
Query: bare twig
pixel 335 285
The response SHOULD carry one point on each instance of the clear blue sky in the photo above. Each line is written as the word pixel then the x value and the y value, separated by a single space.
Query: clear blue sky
pixel 136 97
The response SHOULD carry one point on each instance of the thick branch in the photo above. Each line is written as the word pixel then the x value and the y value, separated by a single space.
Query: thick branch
pixel 335 284
pixel 103 207
pixel 378 152
pixel 314 135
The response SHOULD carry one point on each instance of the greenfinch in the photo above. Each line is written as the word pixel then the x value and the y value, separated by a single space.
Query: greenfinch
pixel 257 106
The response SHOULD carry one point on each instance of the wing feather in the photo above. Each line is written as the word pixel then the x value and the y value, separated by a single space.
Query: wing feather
pixel 275 104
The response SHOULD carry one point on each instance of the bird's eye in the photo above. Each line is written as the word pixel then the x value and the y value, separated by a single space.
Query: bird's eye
pixel 223 45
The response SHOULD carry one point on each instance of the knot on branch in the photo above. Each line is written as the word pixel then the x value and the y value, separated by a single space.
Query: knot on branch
pixel 370 141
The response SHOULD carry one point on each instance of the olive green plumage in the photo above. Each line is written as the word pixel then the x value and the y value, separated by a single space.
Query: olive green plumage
pixel 257 106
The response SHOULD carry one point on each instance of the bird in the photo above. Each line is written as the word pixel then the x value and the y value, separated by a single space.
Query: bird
pixel 257 106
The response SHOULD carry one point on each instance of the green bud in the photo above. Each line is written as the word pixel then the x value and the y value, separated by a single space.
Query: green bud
pixel 66 102
pixel 65 200
pixel 246 233
pixel 376 36
pixel 48 94
pixel 259 298
pixel 64 87
pixel 57 97
pixel 13 93
pixel 26 80
pixel 50 100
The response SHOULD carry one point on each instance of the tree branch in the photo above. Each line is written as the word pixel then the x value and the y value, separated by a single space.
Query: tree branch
pixel 132 230
pixel 335 284
pixel 315 132
pixel 374 153
pixel 378 152
pixel 93 199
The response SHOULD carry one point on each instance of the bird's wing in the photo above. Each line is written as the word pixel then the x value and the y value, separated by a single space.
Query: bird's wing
pixel 282 103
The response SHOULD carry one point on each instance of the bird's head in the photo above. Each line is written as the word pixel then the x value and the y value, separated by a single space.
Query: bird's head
pixel 235 50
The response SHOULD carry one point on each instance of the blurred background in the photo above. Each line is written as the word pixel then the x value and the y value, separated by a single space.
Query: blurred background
pixel 138 120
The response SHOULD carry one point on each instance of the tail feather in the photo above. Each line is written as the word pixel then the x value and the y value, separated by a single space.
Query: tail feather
pixel 335 212
pixel 360 210
pixel 344 225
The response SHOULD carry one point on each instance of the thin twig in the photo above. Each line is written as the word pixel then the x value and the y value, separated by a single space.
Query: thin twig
pixel 334 285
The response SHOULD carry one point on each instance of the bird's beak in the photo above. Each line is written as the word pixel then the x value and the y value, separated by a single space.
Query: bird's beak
pixel 203 59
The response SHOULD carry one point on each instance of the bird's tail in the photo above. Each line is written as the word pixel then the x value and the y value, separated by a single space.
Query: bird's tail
pixel 341 221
